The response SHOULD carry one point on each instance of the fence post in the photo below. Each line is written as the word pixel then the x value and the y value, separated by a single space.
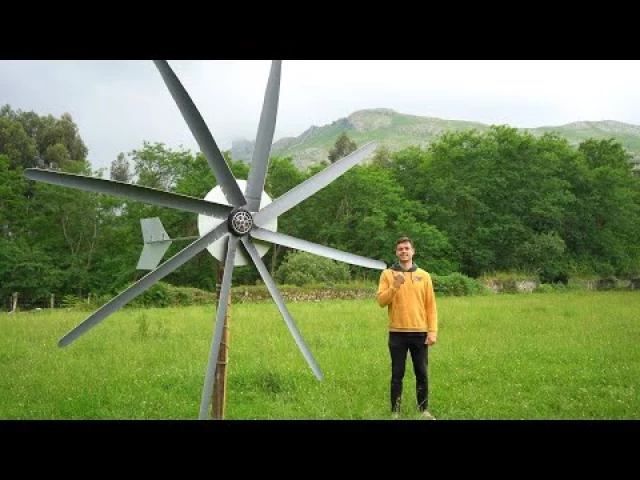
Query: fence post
pixel 52 300
pixel 14 302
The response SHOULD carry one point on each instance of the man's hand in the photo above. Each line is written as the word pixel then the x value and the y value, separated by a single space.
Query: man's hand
pixel 398 280
pixel 431 339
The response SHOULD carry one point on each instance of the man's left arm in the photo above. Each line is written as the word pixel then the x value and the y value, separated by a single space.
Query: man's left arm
pixel 431 312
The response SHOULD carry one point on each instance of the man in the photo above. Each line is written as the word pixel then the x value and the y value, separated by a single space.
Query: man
pixel 407 292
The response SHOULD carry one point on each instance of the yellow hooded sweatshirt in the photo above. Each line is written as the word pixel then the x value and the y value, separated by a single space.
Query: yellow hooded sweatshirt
pixel 412 307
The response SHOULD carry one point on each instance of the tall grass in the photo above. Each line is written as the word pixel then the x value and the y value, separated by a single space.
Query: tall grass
pixel 573 355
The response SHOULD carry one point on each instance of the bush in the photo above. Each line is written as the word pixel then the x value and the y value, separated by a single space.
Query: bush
pixel 457 284
pixel 155 296
pixel 302 268
pixel 544 288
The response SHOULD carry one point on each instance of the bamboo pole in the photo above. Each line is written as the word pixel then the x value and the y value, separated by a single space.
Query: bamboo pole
pixel 220 378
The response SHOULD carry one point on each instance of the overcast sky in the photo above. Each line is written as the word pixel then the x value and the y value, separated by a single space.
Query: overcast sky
pixel 118 105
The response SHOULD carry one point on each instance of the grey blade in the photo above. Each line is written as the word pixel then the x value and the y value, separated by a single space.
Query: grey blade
pixel 293 242
pixel 264 140
pixel 307 188
pixel 223 301
pixel 201 133
pixel 144 283
pixel 133 192
pixel 271 286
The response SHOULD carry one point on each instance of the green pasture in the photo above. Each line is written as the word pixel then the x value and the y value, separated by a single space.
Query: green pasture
pixel 566 355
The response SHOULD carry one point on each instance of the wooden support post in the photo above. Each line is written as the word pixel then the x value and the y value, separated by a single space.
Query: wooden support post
pixel 14 302
pixel 220 379
pixel 52 300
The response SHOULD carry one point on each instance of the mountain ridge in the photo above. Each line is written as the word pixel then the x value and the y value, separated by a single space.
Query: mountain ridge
pixel 397 131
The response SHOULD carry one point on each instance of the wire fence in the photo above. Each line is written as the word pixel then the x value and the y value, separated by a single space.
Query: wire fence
pixel 17 302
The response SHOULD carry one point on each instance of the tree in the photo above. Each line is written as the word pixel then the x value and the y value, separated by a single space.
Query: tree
pixel 63 134
pixel 343 147
pixel 17 145
pixel 13 198
pixel 282 176
pixel 56 141
pixel 26 269
pixel 604 227
pixel 382 156
pixel 120 169
pixel 543 254
pixel 66 227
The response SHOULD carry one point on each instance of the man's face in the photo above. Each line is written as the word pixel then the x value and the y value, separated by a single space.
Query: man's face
pixel 404 252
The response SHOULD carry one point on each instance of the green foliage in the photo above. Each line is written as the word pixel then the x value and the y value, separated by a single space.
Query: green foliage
pixel 545 288
pixel 155 296
pixel 72 301
pixel 343 147
pixel 474 201
pixel 433 249
pixel 159 167
pixel 19 148
pixel 32 138
pixel 544 254
pixel 119 170
pixel 29 272
pixel 162 295
pixel 300 268
pixel 457 284
pixel 382 157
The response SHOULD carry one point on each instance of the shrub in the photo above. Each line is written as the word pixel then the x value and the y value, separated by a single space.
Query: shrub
pixel 457 284
pixel 544 288
pixel 302 268
pixel 155 296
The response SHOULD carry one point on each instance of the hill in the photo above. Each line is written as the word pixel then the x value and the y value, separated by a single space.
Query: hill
pixel 397 131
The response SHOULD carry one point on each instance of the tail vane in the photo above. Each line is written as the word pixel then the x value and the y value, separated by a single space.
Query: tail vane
pixel 156 243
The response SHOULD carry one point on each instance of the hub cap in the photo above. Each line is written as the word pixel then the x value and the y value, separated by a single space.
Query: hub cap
pixel 240 221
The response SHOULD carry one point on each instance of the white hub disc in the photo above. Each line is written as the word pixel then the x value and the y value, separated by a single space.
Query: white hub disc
pixel 207 223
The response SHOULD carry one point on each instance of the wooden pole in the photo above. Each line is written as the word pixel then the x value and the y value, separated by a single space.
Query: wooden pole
pixel 14 302
pixel 220 378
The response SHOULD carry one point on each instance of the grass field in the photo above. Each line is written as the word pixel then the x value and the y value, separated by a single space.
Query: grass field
pixel 569 356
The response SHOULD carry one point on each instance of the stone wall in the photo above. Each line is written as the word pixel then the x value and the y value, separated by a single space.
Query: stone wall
pixel 302 295
pixel 512 286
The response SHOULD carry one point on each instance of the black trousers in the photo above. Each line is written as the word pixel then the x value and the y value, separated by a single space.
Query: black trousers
pixel 399 344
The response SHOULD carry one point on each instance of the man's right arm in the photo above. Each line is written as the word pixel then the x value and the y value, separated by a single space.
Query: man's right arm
pixel 386 289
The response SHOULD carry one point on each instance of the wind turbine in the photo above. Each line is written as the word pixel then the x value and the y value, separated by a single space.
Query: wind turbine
pixel 246 216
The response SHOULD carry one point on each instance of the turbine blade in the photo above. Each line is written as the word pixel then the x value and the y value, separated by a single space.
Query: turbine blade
pixel 264 140
pixel 127 190
pixel 293 242
pixel 144 283
pixel 310 186
pixel 223 302
pixel 203 136
pixel 273 289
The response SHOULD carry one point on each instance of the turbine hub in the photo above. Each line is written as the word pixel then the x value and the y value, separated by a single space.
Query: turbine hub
pixel 240 221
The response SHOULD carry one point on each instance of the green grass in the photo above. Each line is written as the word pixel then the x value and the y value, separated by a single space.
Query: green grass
pixel 573 355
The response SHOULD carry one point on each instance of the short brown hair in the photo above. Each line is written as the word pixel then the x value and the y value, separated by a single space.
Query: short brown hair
pixel 403 240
